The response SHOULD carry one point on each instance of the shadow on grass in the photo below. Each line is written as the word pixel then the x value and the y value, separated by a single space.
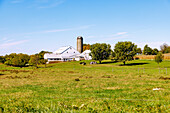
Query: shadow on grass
pixel 133 64
pixel 109 62
pixel 1 74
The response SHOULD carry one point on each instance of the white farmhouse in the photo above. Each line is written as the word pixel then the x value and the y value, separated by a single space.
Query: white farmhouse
pixel 66 53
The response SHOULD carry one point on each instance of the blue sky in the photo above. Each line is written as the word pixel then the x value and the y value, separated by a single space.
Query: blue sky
pixel 29 26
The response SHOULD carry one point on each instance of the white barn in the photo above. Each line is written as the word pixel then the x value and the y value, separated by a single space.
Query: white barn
pixel 85 55
pixel 66 53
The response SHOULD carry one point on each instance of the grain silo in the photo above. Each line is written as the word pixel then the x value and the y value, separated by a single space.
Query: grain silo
pixel 80 44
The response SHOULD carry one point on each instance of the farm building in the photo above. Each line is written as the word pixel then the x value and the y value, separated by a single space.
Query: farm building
pixel 85 55
pixel 68 53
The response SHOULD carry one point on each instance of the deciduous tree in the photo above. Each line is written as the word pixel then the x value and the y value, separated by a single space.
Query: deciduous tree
pixel 2 59
pixel 18 60
pixel 34 60
pixel 147 50
pixel 165 48
pixel 139 51
pixel 155 51
pixel 100 51
pixel 125 51
pixel 86 47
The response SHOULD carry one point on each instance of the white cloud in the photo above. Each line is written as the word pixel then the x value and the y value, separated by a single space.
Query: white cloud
pixel 68 29
pixel 9 40
pixel 9 44
pixel 8 37
pixel 122 33
pixel 5 39
pixel 118 35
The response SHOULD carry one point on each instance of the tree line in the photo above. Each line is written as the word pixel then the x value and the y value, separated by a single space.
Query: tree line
pixel 124 51
pixel 23 60
pixel 164 48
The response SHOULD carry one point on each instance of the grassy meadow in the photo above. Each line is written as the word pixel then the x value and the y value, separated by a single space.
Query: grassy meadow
pixel 71 87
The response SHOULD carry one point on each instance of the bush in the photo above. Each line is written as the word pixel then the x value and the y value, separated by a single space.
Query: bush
pixel 159 58
pixel 18 60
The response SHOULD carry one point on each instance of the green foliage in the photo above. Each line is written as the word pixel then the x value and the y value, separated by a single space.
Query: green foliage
pixel 113 54
pixel 147 50
pixel 165 48
pixel 41 57
pixel 155 51
pixel 2 59
pixel 139 51
pixel 41 54
pixel 18 60
pixel 100 51
pixel 37 59
pixel 159 58
pixel 34 60
pixel 125 51
pixel 9 58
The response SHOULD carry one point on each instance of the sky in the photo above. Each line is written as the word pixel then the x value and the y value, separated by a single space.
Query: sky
pixel 30 26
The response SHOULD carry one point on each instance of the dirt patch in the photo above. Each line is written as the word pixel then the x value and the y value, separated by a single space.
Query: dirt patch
pixel 112 88
pixel 88 77
pixel 106 76
pixel 70 71
pixel 148 89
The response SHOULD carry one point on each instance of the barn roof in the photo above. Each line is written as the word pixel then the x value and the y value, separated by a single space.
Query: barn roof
pixel 62 50
pixel 86 52
pixel 63 53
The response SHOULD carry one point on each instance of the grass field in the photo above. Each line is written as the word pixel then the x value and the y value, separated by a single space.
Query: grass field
pixel 71 87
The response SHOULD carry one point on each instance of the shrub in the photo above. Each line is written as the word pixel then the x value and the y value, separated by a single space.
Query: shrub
pixel 159 58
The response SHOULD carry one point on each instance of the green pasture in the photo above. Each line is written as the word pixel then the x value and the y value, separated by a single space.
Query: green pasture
pixel 71 87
